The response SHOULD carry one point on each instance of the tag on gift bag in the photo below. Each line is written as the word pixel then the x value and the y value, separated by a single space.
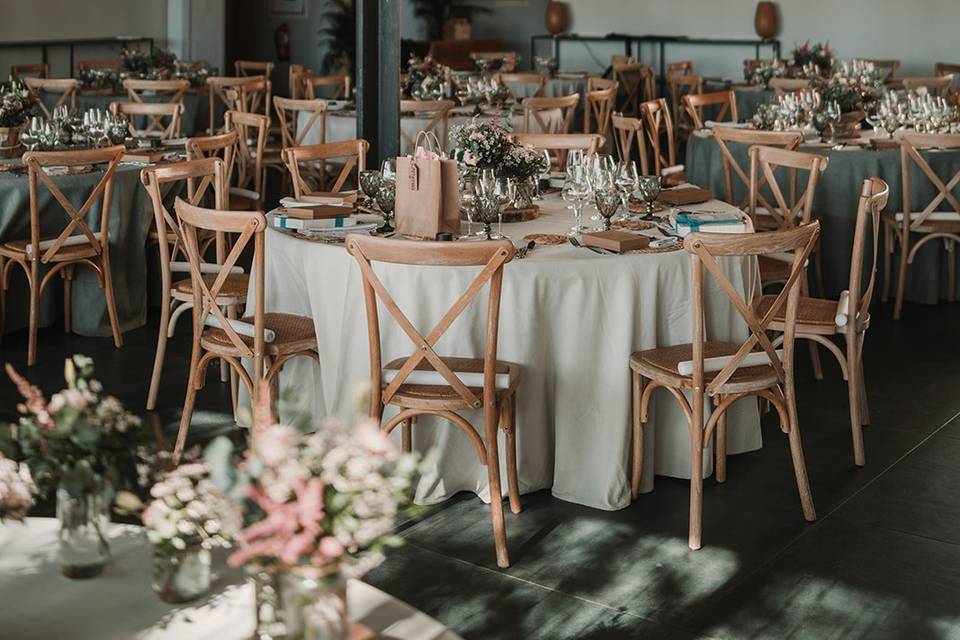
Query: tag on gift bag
pixel 428 191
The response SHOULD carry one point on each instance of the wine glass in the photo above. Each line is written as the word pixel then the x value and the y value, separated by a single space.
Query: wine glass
pixel 469 187
pixel 388 170
pixel 574 158
pixel 607 201
pixel 505 192
pixel 649 187
pixel 386 200
pixel 545 174
pixel 832 114
pixel 370 181
pixel 576 189
pixel 627 180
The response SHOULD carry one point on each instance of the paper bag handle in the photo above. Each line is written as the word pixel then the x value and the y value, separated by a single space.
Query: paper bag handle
pixel 429 136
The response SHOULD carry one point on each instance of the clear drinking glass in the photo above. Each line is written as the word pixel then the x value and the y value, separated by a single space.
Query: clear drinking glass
pixel 576 189
pixel 627 180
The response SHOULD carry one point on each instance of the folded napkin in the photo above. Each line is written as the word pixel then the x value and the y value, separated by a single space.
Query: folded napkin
pixel 711 124
pixel 69 242
pixel 754 359
pixel 434 378
pixel 843 309
pixel 242 328
pixel 205 267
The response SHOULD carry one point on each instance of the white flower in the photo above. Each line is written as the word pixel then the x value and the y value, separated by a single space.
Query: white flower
pixel 178 543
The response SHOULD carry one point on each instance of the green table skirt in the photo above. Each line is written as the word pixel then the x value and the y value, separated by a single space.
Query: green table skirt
pixel 196 107
pixel 130 217
pixel 836 205
pixel 749 99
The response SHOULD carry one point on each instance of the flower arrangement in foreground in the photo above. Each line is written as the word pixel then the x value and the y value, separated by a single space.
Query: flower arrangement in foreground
pixel 16 490
pixel 17 104
pixel 425 79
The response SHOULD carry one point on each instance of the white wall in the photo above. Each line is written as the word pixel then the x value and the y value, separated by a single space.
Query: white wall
pixel 61 19
pixel 918 32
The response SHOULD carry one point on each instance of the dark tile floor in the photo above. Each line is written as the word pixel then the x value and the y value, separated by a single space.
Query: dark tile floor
pixel 882 561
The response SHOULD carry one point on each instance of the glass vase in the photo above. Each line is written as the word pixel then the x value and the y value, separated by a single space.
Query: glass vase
pixel 301 603
pixel 181 576
pixel 84 550
pixel 526 190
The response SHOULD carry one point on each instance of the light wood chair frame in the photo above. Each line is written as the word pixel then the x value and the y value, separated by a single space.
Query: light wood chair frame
pixel 20 71
pixel 936 85
pixel 680 68
pixel 248 227
pixel 229 92
pixel 627 133
pixel 310 161
pixel 66 87
pixel 560 143
pixel 723 136
pixel 310 82
pixel 100 63
pixel 153 112
pixel 694 104
pixel 438 112
pixel 783 86
pixel 248 171
pixel 598 109
pixel 498 405
pixel 919 222
pixel 534 107
pixel 890 66
pixel 679 87
pixel 656 116
pixel 637 81
pixel 513 78
pixel 246 68
pixel 97 257
pixel 773 382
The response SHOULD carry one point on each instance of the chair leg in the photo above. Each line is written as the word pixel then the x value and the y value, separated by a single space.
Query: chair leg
pixel 34 285
pixel 192 384
pixel 696 487
pixel 720 445
pixel 901 277
pixel 815 360
pixel 508 422
pixel 888 240
pixel 864 406
pixel 67 275
pixel 490 418
pixel 161 354
pixel 818 269
pixel 799 464
pixel 111 300
pixel 951 272
pixel 224 367
pixel 853 391
pixel 636 456
pixel 407 436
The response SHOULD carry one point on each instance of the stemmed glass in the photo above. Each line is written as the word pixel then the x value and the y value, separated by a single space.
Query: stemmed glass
pixel 576 190
pixel 386 200
pixel 832 113
pixel 370 181
pixel 544 174
pixel 574 159
pixel 649 187
pixel 606 196
pixel 627 181
pixel 469 186
pixel 388 170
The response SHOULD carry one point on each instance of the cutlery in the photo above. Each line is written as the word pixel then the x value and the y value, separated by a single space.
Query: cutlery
pixel 523 251
pixel 577 243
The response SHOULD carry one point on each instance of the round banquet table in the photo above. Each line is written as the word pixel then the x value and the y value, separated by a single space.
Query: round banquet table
pixel 39 603
pixel 749 98
pixel 569 317
pixel 836 204
pixel 196 106
pixel 130 217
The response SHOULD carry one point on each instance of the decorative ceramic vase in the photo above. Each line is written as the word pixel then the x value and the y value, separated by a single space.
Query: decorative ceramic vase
pixel 301 602
pixel 84 550
pixel 182 576
pixel 765 21
pixel 556 17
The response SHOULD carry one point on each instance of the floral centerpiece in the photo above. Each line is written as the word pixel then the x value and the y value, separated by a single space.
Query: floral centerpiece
pixel 185 520
pixel 85 447
pixel 761 74
pixel 426 79
pixel 17 105
pixel 317 508
pixel 487 145
pixel 855 86
pixel 156 63
pixel 16 489
pixel 819 55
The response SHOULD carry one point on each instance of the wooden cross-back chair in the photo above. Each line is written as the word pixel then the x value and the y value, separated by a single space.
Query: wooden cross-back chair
pixel 558 144
pixel 659 125
pixel 309 171
pixel 246 189
pixel 20 71
pixel 783 86
pixel 520 84
pixel 540 114
pixel 508 59
pixel 936 85
pixel 938 219
pixel 426 383
pixel 245 68
pixel 337 85
pixel 437 114
pixel 227 93
pixel 636 81
pixel 152 114
pixel 627 134
pixel 200 179
pixel 221 145
pixel 173 90
pixel 294 84
pixel 724 136
pixel 293 132
pixel 65 87
pixel 76 244
pixel 817 319
pixel 599 105
pixel 726 371
pixel 100 63
pixel 621 58
pixel 679 87
pixel 275 337
pixel 680 68
pixel 726 100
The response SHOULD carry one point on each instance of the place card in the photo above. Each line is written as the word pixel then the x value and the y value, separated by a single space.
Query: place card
pixel 618 241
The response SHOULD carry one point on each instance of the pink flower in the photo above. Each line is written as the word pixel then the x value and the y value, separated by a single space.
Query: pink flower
pixel 275 444
pixel 372 438
pixel 330 548
pixel 33 397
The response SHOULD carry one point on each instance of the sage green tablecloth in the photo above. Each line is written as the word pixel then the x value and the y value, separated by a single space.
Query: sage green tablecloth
pixel 196 107
pixel 836 205
pixel 749 98
pixel 129 222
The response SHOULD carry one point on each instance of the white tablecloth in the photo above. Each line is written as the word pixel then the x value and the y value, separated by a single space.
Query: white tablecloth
pixel 570 317
pixel 38 603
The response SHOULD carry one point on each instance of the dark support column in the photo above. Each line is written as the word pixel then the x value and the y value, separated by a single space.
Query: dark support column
pixel 378 77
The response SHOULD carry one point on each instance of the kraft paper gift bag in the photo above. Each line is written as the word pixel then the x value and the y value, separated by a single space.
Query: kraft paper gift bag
pixel 428 191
